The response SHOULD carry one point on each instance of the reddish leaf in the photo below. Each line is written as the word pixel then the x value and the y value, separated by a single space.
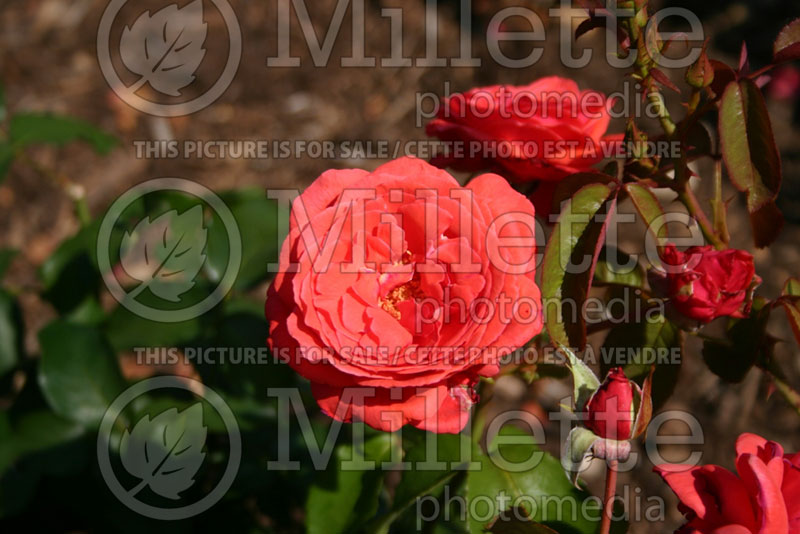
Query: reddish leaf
pixel 592 5
pixel 645 412
pixel 623 38
pixel 751 156
pixel 744 64
pixel 723 75
pixel 664 80
pixel 590 24
pixel 701 73
pixel 791 304
pixel 566 279
pixel 762 80
pixel 787 45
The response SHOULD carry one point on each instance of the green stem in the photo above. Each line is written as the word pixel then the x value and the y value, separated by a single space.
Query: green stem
pixel 791 396
pixel 686 196
pixel 644 63
pixel 608 498
pixel 719 211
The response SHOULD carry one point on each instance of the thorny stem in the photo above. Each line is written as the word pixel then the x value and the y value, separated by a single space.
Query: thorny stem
pixel 608 498
pixel 791 396
pixel 718 208
pixel 686 195
pixel 644 63
pixel 643 66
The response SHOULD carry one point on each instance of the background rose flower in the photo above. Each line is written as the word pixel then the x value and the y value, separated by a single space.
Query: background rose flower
pixel 405 294
pixel 548 111
pixel 763 499
pixel 704 283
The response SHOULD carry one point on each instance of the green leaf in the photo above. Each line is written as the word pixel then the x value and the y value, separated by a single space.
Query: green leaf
pixel 649 209
pixel 29 128
pixel 417 481
pixel 165 452
pixel 791 288
pixel 79 374
pixel 516 526
pixel 70 274
pixel 11 332
pixel 127 330
pixel 166 254
pixel 747 344
pixel 751 156
pixel 340 500
pixel 615 271
pixel 791 305
pixel 576 449
pixel 36 444
pixel 244 328
pixel 637 346
pixel 566 278
pixel 7 155
pixel 584 381
pixel 787 45
pixel 257 219
pixel 42 429
pixel 3 109
pixel 88 312
pixel 7 444
pixel 556 499
pixel 566 188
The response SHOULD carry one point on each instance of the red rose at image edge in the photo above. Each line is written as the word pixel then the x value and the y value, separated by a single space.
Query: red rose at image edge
pixel 763 499
pixel 345 313
pixel 556 118
pixel 609 412
pixel 709 283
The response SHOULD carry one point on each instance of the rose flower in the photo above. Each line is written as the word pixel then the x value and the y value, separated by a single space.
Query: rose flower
pixel 763 499
pixel 543 131
pixel 398 289
pixel 704 283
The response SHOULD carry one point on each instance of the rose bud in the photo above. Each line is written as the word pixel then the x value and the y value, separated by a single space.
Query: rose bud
pixel 610 410
pixel 703 283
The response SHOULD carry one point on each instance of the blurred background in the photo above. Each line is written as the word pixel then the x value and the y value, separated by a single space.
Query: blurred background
pixel 49 480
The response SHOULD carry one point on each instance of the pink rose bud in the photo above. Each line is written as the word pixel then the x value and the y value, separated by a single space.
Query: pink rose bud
pixel 703 283
pixel 610 412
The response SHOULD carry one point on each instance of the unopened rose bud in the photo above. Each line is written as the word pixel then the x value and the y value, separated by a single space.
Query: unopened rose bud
pixel 701 73
pixel 610 410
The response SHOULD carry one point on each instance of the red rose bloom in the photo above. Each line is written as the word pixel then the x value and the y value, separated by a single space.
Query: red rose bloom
pixel 543 131
pixel 395 304
pixel 763 499
pixel 609 412
pixel 704 283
